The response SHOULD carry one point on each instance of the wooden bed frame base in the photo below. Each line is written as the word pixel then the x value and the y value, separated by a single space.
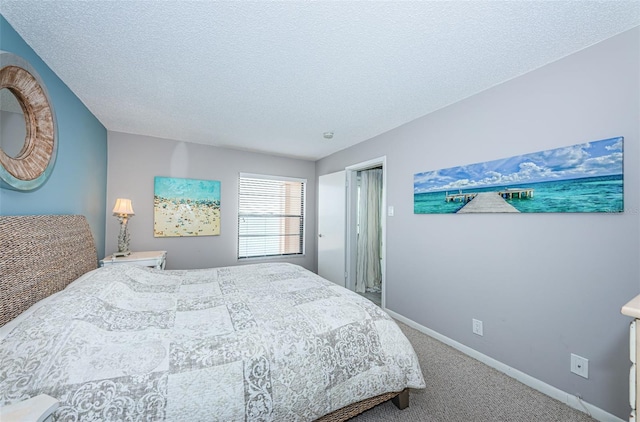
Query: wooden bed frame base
pixel 401 400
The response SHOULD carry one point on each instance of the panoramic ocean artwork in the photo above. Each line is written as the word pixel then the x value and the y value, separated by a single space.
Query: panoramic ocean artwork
pixel 585 177
pixel 186 207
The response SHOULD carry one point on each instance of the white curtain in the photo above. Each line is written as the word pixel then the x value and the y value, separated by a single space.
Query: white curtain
pixel 368 270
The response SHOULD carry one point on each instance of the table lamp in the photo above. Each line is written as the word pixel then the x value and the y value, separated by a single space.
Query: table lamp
pixel 123 210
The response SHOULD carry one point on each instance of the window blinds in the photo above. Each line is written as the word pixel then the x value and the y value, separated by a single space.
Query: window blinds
pixel 270 216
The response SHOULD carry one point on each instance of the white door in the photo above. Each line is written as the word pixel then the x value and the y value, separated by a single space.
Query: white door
pixel 331 227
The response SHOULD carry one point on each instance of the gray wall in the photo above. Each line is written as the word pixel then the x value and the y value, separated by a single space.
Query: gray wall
pixel 545 285
pixel 135 160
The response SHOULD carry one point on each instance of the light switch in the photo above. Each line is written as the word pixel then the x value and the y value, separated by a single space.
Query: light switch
pixel 390 211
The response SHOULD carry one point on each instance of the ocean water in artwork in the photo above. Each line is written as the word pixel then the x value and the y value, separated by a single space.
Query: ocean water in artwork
pixel 186 207
pixel 585 177
pixel 592 194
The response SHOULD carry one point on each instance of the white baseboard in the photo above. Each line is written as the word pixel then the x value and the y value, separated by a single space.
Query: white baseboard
pixel 536 384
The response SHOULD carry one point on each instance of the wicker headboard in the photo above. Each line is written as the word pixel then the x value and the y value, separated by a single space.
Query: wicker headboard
pixel 40 255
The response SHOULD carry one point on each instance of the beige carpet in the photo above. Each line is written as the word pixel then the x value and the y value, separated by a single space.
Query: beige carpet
pixel 460 388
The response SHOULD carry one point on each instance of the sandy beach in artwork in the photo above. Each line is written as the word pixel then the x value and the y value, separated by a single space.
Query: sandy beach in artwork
pixel 185 218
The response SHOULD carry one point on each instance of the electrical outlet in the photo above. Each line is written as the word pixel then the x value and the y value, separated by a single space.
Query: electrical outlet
pixel 580 366
pixel 477 327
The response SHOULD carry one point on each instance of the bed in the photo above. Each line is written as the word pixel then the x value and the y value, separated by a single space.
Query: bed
pixel 250 342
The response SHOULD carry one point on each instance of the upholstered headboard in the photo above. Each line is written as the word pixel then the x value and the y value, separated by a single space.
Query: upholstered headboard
pixel 40 255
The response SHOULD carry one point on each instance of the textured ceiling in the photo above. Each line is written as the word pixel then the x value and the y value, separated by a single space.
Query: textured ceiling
pixel 273 76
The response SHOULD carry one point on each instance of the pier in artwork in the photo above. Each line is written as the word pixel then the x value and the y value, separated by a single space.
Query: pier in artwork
pixel 506 193
pixel 488 201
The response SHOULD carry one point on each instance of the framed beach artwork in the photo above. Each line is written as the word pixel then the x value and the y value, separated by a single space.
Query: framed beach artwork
pixel 186 207
pixel 585 177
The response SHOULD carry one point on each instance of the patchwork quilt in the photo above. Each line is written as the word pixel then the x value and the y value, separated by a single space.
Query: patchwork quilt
pixel 263 342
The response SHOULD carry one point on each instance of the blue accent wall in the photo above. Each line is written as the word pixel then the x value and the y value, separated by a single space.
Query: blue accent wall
pixel 78 183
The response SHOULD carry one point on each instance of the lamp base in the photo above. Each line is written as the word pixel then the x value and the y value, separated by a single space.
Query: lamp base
pixel 117 254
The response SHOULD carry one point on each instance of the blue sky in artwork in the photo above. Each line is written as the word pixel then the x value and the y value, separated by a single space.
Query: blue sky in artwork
pixel 599 158
pixel 176 188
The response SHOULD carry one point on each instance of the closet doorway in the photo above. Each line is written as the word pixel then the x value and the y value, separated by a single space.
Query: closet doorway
pixel 366 229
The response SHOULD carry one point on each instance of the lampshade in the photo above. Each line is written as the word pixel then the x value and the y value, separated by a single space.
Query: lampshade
pixel 123 207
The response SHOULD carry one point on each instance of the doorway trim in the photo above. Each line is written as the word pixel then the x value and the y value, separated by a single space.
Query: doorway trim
pixel 351 176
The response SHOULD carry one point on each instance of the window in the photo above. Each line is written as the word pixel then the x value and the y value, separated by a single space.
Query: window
pixel 270 216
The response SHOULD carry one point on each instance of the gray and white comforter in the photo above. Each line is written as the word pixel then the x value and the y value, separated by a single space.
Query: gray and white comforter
pixel 255 342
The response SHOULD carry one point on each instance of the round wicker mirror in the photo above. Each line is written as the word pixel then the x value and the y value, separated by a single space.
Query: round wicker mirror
pixel 31 167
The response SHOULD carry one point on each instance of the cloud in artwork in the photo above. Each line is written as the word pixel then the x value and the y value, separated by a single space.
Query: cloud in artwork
pixel 562 158
pixel 617 146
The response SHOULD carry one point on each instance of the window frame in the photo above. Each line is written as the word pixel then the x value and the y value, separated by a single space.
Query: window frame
pixel 303 226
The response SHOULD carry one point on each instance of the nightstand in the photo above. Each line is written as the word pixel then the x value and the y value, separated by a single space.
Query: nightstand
pixel 632 309
pixel 155 259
